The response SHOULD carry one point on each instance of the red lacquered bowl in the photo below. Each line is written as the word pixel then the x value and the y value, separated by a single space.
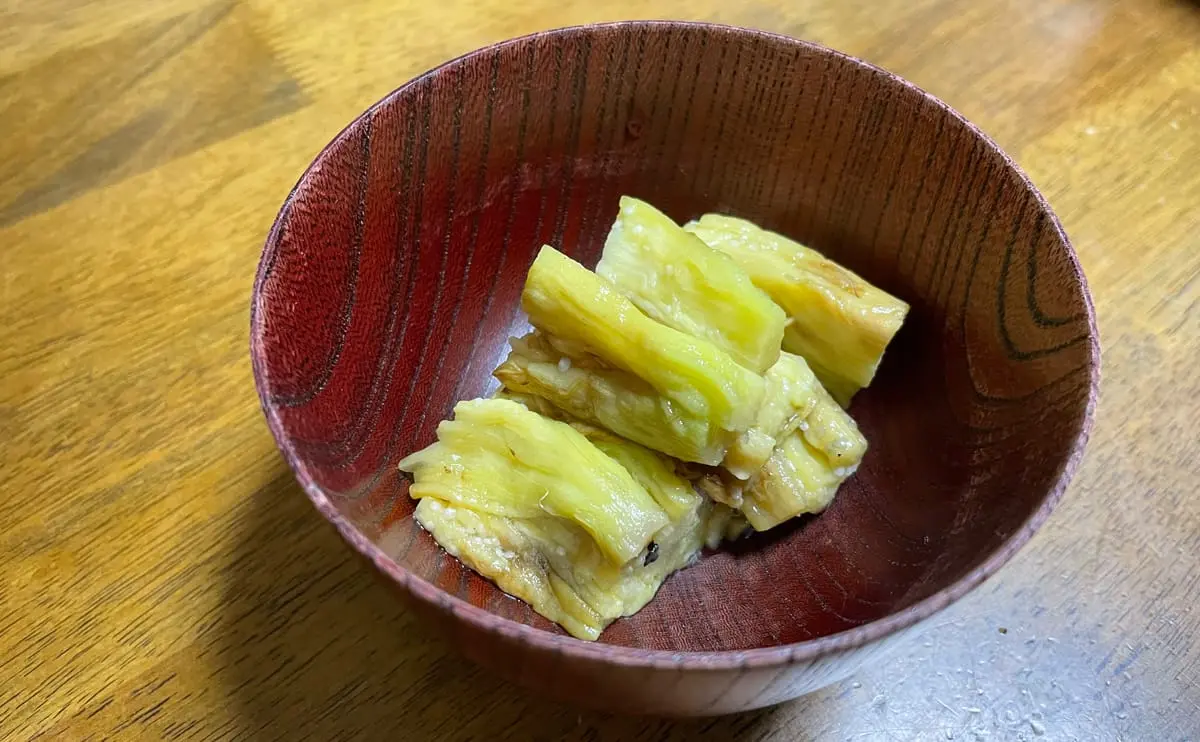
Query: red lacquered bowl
pixel 390 284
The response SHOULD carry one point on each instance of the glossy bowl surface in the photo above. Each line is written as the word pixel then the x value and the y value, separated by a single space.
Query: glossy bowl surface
pixel 390 284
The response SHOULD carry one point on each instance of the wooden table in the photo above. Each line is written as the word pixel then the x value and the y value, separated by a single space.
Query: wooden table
pixel 162 575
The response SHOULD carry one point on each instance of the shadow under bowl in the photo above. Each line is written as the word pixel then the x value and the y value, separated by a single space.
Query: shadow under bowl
pixel 390 285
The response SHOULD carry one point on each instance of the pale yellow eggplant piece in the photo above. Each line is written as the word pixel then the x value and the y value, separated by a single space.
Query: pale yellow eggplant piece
pixel 583 388
pixel 792 390
pixel 803 472
pixel 500 458
pixel 796 480
pixel 676 279
pixel 595 326
pixel 533 504
pixel 651 469
pixel 724 524
pixel 556 567
pixel 656 472
pixel 839 322
pixel 829 429
pixel 806 469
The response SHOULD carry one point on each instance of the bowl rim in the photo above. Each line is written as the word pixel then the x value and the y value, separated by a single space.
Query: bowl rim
pixel 716 660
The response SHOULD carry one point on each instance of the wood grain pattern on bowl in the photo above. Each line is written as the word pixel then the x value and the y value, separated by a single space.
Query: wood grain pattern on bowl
pixel 390 283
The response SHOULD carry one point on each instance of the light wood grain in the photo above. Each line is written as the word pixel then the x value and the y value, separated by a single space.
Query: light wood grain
pixel 163 577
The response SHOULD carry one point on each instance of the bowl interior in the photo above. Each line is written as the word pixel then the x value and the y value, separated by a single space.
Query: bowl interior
pixel 390 286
